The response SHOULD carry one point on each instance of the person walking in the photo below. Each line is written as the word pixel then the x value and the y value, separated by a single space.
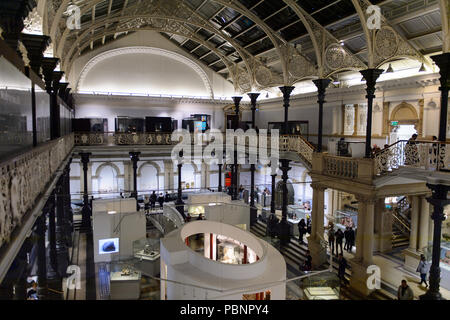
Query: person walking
pixel 331 238
pixel 341 269
pixel 308 224
pixel 405 292
pixel 339 235
pixel 167 197
pixel 153 200
pixel 422 268
pixel 301 230
pixel 307 264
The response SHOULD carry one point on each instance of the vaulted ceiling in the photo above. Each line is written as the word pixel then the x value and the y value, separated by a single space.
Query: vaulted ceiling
pixel 259 43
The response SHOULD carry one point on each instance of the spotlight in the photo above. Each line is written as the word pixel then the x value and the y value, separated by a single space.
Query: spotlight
pixel 341 42
pixel 422 68
pixel 389 69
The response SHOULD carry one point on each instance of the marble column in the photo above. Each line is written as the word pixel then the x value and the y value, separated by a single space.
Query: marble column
pixel 415 206
pixel 318 251
pixel 423 224
pixel 368 232
pixel 360 230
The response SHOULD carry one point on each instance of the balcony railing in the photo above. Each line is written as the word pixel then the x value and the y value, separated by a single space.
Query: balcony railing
pixel 24 177
pixel 427 155
pixel 116 138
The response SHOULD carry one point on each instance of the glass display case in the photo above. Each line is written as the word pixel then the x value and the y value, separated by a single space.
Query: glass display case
pixel 344 219
pixel 195 211
pixel 324 286
pixel 146 249
pixel 229 253
pixel 300 127
pixel 124 281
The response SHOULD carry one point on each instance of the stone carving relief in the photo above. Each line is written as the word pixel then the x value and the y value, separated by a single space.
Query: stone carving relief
pixel 337 58
pixel 349 119
pixel 24 178
pixel 299 67
pixel 244 82
pixel 362 119
pixel 263 76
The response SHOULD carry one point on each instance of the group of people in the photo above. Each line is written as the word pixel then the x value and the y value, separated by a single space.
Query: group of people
pixel 150 201
pixel 303 228
pixel 335 239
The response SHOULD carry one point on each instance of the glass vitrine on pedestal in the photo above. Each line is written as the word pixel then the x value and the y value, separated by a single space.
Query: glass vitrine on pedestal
pixel 344 219
pixel 125 281
pixel 146 254
pixel 295 214
pixel 324 286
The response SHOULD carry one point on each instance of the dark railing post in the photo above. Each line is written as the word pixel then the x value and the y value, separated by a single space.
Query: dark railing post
pixel 234 166
pixel 68 213
pixel 86 211
pixel 134 156
pixel 50 209
pixel 219 188
pixel 321 85
pixel 48 66
pixel 41 257
pixel 439 199
pixel 371 76
pixel 56 119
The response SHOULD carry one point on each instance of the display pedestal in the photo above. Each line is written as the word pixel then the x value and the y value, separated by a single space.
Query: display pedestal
pixel 318 252
pixel 412 259
pixel 125 287
pixel 358 280
pixel 150 268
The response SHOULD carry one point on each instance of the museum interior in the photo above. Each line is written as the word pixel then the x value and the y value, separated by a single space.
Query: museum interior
pixel 121 122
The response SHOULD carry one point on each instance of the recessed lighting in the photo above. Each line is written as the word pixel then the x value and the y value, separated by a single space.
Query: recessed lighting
pixel 422 68
pixel 112 212
pixel 389 69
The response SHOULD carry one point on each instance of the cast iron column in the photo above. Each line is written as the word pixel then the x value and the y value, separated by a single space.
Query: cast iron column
pixel 134 156
pixel 35 45
pixel 61 240
pixel 272 199
pixel 321 85
pixel 67 205
pixel 86 211
pixel 56 109
pixel 443 62
pixel 234 166
pixel 286 90
pixel 371 76
pixel 41 257
pixel 50 209
pixel 48 65
pixel 284 226
pixel 439 199
pixel 253 210
pixel 12 14
pixel 219 189
pixel 179 203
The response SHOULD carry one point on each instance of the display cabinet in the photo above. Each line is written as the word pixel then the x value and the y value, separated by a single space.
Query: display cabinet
pixel 124 281
pixel 147 257
pixel 324 286
pixel 344 219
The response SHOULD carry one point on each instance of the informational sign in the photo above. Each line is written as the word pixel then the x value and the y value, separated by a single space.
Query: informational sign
pixel 394 123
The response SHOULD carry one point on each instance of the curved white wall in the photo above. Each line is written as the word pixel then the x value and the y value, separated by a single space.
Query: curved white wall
pixel 209 279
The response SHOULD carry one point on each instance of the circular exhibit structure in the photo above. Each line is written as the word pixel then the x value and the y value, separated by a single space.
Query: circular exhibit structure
pixel 213 260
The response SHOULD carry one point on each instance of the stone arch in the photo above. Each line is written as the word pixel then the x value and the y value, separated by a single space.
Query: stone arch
pixel 405 113
pixel 115 169
pixel 107 164
pixel 149 50
pixel 140 176
pixel 152 163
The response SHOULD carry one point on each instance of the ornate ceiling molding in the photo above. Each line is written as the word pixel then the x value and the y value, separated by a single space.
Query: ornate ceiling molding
pixel 147 50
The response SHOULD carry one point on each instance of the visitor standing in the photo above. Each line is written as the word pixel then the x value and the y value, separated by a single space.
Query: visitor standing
pixel 405 292
pixel 339 235
pixel 161 200
pixel 331 238
pixel 351 239
pixel 341 269
pixel 301 230
pixel 153 200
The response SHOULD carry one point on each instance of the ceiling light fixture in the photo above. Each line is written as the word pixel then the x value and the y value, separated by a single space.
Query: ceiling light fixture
pixel 341 42
pixel 389 69
pixel 422 68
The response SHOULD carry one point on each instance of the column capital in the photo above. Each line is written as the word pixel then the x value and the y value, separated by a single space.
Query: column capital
pixel 48 66
pixel 317 186
pixel 366 198
pixel 371 76
pixel 253 97
pixel 321 85
pixel 35 45
pixel 443 62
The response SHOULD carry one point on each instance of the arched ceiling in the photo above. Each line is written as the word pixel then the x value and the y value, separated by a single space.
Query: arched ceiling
pixel 258 44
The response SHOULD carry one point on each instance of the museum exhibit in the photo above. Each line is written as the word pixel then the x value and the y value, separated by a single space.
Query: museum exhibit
pixel 243 150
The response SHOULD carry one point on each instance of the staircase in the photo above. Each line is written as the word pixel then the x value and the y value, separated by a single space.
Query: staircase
pixel 401 224
pixel 295 254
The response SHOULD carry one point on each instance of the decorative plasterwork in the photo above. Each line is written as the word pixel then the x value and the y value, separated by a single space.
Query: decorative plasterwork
pixel 146 50
pixel 362 119
pixel 33 23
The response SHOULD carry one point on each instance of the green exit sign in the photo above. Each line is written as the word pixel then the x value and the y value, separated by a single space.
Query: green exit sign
pixel 394 123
